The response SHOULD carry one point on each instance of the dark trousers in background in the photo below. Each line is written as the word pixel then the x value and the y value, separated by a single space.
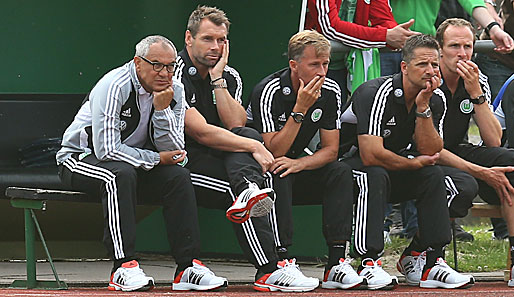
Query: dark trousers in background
pixel 330 186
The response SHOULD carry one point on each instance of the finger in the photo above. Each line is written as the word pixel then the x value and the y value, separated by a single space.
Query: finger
pixel 285 173
pixel 310 85
pixel 302 84
pixel 407 25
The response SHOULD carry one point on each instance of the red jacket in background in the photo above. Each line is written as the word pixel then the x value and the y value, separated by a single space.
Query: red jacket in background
pixel 323 16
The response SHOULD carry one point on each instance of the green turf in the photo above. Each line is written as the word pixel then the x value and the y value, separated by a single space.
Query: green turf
pixel 482 254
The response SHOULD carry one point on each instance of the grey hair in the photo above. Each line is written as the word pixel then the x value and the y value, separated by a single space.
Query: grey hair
pixel 143 46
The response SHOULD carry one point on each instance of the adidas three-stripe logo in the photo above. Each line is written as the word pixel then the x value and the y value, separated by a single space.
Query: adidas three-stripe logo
pixel 284 281
pixel 369 275
pixel 339 276
pixel 441 275
pixel 195 278
pixel 120 280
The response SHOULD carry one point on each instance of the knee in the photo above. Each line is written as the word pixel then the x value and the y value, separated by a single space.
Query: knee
pixel 125 172
pixel 248 133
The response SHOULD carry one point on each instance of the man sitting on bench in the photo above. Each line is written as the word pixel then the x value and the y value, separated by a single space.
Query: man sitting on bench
pixel 108 152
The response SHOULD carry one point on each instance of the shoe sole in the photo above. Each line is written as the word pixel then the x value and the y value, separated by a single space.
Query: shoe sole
pixel 114 287
pixel 433 284
pixel 257 206
pixel 193 287
pixel 272 288
pixel 337 285
pixel 389 286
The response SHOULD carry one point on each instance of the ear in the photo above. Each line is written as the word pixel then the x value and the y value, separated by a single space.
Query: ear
pixel 188 38
pixel 137 62
pixel 293 65
pixel 403 67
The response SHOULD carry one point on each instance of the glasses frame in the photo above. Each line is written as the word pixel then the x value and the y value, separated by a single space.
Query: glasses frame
pixel 157 65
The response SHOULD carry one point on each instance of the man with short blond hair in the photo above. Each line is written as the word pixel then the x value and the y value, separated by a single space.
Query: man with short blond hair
pixel 288 107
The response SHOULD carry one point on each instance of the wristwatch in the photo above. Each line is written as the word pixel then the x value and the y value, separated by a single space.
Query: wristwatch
pixel 297 116
pixel 478 100
pixel 426 114
pixel 221 85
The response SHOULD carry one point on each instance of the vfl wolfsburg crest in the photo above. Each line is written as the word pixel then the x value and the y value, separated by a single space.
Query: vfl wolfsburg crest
pixel 466 106
pixel 316 114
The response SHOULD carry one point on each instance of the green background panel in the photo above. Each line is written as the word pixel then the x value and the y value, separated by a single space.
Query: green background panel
pixel 218 236
pixel 66 46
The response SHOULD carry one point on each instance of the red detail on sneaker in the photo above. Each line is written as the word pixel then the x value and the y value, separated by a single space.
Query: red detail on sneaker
pixel 281 264
pixel 130 264
pixel 415 254
pixel 424 277
pixel 111 288
pixel 232 214
pixel 177 279
pixel 263 279
pixel 379 262
pixel 198 262
pixel 326 275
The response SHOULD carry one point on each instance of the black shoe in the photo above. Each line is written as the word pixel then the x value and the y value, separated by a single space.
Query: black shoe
pixel 461 234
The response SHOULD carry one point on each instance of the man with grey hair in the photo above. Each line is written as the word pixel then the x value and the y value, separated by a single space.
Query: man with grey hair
pixel 123 146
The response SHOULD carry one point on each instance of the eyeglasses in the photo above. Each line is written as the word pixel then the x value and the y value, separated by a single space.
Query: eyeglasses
pixel 159 66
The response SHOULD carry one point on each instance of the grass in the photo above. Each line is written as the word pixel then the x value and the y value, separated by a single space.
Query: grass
pixel 481 255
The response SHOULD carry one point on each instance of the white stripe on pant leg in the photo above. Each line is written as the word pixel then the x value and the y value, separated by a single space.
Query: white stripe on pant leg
pixel 248 229
pixel 361 212
pixel 272 215
pixel 451 188
pixel 109 179
pixel 112 206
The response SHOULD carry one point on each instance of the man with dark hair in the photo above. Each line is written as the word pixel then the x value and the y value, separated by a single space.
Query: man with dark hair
pixel 288 107
pixel 108 152
pixel 385 115
pixel 468 94
pixel 229 168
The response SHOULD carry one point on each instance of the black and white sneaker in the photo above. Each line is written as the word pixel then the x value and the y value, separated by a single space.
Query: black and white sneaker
pixel 376 276
pixel 129 277
pixel 443 276
pixel 287 278
pixel 198 277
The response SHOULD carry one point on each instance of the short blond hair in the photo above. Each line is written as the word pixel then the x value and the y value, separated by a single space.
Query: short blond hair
pixel 301 40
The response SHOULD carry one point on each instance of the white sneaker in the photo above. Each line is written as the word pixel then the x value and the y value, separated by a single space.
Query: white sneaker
pixel 252 202
pixel 129 277
pixel 198 277
pixel 511 281
pixel 287 278
pixel 412 267
pixel 342 276
pixel 376 277
pixel 443 276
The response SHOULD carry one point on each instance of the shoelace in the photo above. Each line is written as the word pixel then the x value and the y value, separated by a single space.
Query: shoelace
pixel 133 272
pixel 291 268
pixel 202 270
pixel 420 261
pixel 345 266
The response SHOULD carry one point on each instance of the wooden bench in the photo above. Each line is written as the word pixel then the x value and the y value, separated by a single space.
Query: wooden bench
pixel 486 210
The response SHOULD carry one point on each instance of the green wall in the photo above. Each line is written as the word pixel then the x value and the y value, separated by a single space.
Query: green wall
pixel 66 46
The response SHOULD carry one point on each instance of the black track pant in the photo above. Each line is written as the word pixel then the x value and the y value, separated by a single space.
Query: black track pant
pixel 121 187
pixel 487 157
pixel 218 177
pixel 375 186
pixel 330 186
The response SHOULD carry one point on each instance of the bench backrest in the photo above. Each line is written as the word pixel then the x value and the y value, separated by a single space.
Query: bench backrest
pixel 28 117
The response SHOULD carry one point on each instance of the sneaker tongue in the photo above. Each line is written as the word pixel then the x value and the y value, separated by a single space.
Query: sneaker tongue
pixel 197 262
pixel 341 260
pixel 130 264
pixel 379 262
pixel 281 264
